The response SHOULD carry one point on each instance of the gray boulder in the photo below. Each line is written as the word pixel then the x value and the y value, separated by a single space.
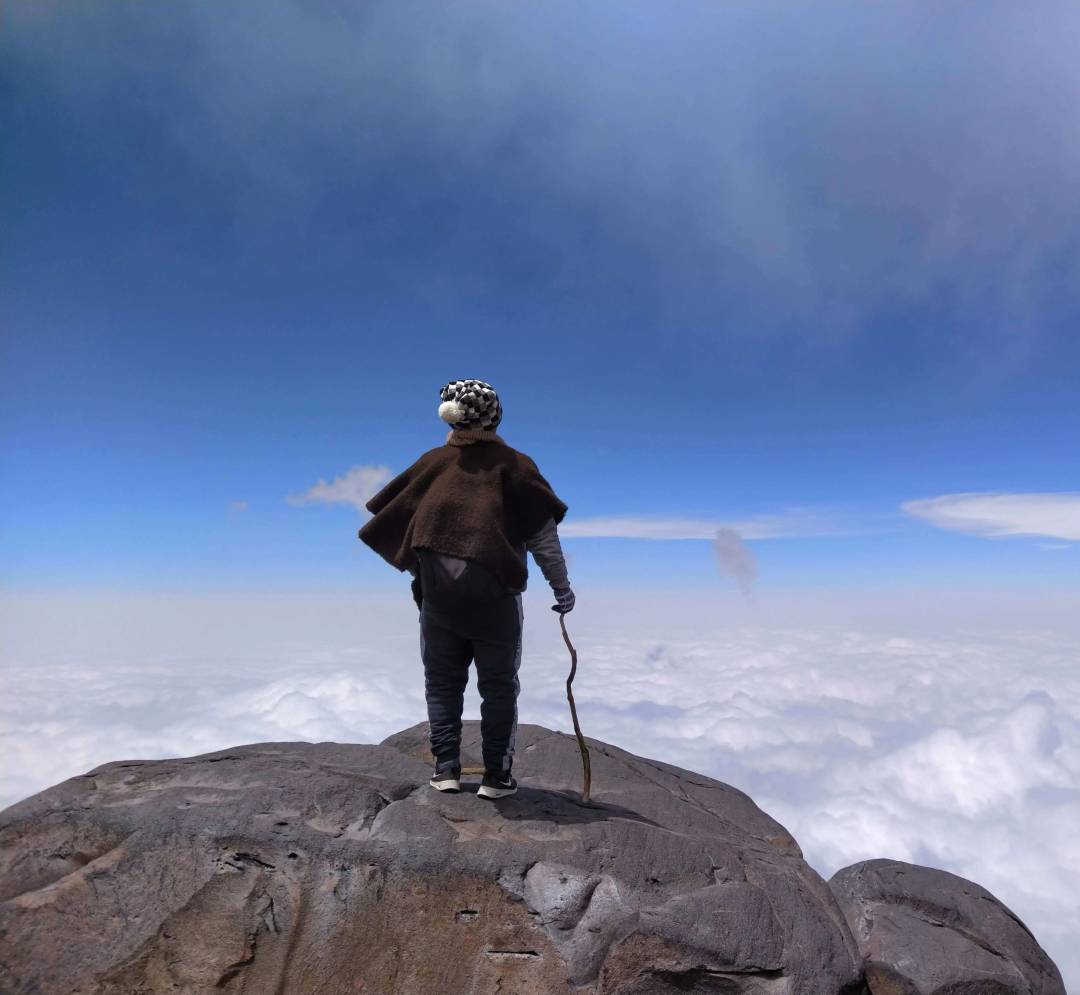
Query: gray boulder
pixel 928 932
pixel 333 868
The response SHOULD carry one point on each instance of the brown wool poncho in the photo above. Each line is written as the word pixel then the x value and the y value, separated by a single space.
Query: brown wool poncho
pixel 478 501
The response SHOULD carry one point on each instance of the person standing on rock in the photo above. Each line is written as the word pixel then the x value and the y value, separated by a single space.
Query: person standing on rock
pixel 461 520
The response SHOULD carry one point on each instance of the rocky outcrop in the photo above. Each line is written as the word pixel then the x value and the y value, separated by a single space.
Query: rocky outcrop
pixel 304 868
pixel 924 931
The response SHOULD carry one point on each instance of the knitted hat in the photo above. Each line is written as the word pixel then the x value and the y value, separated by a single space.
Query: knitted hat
pixel 470 404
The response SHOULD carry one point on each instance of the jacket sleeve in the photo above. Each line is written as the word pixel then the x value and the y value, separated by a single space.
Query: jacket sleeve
pixel 547 551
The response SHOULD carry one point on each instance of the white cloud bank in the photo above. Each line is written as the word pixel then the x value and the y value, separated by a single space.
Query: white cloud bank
pixel 914 733
pixel 994 515
pixel 355 487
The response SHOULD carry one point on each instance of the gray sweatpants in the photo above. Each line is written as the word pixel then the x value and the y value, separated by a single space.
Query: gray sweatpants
pixel 467 614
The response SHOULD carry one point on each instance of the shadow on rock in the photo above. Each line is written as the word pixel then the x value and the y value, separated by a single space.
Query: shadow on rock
pixel 561 807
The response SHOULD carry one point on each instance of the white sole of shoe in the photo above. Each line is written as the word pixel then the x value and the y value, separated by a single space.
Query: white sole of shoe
pixel 446 785
pixel 486 792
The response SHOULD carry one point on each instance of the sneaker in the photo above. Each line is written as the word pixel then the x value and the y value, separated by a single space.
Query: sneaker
pixel 447 777
pixel 497 784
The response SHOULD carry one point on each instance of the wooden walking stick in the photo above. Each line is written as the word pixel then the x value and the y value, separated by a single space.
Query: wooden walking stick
pixel 586 767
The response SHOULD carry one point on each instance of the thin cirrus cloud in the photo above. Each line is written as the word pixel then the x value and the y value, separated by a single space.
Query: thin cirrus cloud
pixel 360 483
pixel 354 487
pixel 997 515
pixel 787 525
pixel 732 202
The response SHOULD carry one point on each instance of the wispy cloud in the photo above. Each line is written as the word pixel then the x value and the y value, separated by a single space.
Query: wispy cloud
pixel 356 487
pixel 996 515
pixel 709 184
pixel 785 525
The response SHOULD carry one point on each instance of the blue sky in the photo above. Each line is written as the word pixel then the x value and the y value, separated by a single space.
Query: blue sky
pixel 738 264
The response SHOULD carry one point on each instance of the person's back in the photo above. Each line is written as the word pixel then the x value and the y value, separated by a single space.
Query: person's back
pixel 465 538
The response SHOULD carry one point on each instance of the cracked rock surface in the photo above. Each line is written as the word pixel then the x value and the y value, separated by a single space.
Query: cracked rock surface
pixel 330 868
pixel 925 931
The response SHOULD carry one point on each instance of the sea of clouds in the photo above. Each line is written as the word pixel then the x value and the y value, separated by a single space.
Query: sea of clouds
pixel 933 729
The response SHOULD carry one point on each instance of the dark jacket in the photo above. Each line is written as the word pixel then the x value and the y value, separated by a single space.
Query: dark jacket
pixel 474 497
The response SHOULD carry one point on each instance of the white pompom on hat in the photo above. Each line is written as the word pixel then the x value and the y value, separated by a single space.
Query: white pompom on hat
pixel 451 412
pixel 470 404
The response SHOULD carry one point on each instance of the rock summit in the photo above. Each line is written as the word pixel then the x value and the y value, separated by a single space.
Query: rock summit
pixel 335 869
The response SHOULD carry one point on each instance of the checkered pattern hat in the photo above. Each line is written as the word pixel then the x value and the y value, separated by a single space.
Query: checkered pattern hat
pixel 470 404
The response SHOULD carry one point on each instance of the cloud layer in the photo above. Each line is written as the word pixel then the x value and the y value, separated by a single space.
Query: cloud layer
pixel 925 735
pixel 994 515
